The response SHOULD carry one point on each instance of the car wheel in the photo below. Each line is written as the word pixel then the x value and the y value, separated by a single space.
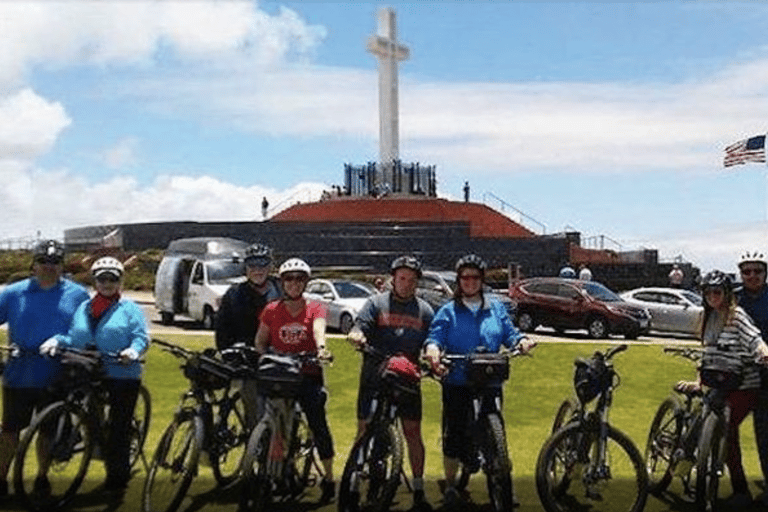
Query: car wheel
pixel 597 327
pixel 346 323
pixel 166 318
pixel 525 321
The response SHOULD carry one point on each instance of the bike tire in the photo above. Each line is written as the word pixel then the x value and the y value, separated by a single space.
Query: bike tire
pixel 142 414
pixel 564 414
pixel 372 471
pixel 563 471
pixel 307 466
pixel 663 439
pixel 498 465
pixel 709 462
pixel 70 435
pixel 256 495
pixel 230 435
pixel 174 464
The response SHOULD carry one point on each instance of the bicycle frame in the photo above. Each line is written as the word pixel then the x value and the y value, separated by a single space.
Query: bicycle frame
pixel 283 416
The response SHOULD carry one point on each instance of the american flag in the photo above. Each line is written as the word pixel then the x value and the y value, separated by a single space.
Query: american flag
pixel 747 150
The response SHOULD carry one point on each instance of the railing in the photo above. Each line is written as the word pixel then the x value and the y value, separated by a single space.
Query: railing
pixel 517 215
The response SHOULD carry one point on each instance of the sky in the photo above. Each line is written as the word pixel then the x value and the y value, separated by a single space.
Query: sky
pixel 606 118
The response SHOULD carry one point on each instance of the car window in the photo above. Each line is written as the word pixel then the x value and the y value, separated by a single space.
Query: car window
pixel 668 298
pixel 693 297
pixel 568 292
pixel 428 283
pixel 224 271
pixel 314 288
pixel 600 292
pixel 646 296
pixel 347 290
pixel 542 288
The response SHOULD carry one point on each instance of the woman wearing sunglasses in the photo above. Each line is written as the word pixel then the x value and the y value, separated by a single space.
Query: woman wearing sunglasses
pixel 113 325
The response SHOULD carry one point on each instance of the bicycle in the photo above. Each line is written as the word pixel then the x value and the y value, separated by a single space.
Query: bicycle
pixel 374 467
pixel 209 419
pixel 281 459
pixel 71 431
pixel 673 438
pixel 587 463
pixel 488 451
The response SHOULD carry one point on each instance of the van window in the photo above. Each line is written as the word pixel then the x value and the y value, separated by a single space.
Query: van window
pixel 224 271
pixel 197 274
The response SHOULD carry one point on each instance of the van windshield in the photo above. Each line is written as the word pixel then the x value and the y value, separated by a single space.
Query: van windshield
pixel 224 271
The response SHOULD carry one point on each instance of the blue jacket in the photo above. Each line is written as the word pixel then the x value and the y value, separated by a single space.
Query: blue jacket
pixel 122 326
pixel 34 315
pixel 458 330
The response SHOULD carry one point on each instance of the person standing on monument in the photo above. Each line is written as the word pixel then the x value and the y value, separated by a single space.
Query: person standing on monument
pixel 35 309
pixel 395 321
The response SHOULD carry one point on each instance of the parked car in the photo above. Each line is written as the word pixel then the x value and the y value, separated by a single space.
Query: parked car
pixel 342 298
pixel 566 304
pixel 672 309
pixel 436 288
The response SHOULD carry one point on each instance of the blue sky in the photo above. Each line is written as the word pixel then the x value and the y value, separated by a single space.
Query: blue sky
pixel 601 117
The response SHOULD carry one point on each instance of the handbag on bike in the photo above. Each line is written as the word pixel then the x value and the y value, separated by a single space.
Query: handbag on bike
pixel 591 377
pixel 279 376
pixel 483 369
pixel 721 369
pixel 207 371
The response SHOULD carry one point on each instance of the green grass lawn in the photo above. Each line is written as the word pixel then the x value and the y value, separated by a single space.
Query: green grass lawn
pixel 537 386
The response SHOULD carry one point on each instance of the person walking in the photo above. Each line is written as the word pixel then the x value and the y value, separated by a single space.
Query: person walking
pixel 395 322
pixel 237 320
pixel 726 327
pixel 34 309
pixel 753 298
pixel 111 324
pixel 295 325
pixel 472 321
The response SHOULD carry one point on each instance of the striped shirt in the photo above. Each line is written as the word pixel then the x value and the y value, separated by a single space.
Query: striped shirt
pixel 740 335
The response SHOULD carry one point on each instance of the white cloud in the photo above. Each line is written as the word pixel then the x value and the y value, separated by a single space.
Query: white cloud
pixel 29 125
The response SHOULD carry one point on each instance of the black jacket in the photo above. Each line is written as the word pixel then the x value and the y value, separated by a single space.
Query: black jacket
pixel 238 317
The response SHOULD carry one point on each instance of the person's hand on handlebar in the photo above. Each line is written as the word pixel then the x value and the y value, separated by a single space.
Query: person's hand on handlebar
pixel 324 354
pixel 525 345
pixel 356 337
pixel 688 386
pixel 432 355
pixel 761 354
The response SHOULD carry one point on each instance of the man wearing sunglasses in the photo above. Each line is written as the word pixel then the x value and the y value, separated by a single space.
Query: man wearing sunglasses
pixel 35 309
pixel 753 298
pixel 238 317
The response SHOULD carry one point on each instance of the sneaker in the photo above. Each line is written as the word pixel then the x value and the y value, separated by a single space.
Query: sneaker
pixel 420 503
pixel 42 486
pixel 328 489
pixel 738 500
pixel 452 499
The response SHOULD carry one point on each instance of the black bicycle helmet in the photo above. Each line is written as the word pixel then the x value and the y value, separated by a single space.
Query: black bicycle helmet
pixel 259 254
pixel 471 260
pixel 49 250
pixel 717 279
pixel 406 262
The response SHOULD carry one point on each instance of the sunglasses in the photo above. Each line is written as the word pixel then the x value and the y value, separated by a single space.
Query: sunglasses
pixel 49 260
pixel 713 291
pixel 752 271
pixel 257 263
pixel 107 278
pixel 470 277
pixel 288 278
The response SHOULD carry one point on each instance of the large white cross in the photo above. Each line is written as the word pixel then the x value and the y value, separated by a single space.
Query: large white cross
pixel 385 47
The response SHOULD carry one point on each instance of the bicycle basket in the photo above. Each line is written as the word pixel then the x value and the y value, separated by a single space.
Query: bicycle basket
pixel 721 369
pixel 591 377
pixel 279 376
pixel 207 372
pixel 401 373
pixel 484 369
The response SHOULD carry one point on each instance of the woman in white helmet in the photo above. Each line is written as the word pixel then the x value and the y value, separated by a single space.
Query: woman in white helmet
pixel 294 325
pixel 112 325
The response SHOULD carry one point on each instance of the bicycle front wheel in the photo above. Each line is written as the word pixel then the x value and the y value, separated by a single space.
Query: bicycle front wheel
pixel 140 425
pixel 307 466
pixel 564 414
pixel 709 462
pixel 663 439
pixel 174 464
pixel 498 466
pixel 257 485
pixel 570 476
pixel 59 444
pixel 230 439
pixel 372 472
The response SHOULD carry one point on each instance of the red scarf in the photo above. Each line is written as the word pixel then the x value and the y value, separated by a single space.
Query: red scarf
pixel 100 304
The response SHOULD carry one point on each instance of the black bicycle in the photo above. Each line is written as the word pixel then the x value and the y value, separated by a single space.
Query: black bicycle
pixel 210 419
pixel 63 438
pixel 673 438
pixel 374 466
pixel 281 460
pixel 488 451
pixel 587 464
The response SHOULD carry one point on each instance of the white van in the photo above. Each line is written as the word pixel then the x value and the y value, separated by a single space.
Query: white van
pixel 193 276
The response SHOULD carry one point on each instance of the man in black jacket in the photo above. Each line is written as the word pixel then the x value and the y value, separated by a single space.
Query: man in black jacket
pixel 238 317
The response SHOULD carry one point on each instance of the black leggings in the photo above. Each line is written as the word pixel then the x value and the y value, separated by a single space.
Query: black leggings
pixel 122 401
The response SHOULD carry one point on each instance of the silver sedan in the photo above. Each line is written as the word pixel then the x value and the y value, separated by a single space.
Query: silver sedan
pixel 672 310
pixel 342 298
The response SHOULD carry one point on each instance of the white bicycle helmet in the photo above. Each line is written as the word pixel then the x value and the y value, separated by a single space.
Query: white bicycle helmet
pixel 295 265
pixel 107 264
pixel 753 257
